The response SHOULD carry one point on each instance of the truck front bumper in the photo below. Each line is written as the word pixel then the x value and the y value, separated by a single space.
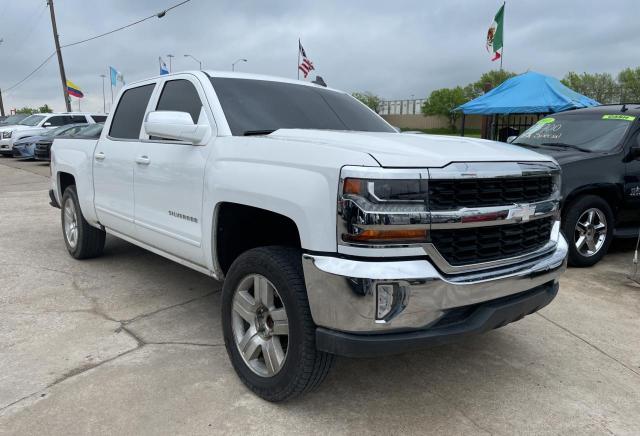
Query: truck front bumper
pixel 428 307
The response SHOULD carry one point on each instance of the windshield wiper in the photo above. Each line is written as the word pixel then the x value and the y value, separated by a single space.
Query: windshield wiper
pixel 564 145
pixel 257 132
pixel 525 144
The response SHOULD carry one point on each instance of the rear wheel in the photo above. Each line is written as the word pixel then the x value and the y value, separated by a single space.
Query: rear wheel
pixel 588 227
pixel 267 325
pixel 83 241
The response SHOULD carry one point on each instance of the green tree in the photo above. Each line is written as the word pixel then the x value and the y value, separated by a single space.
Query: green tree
pixel 493 78
pixel 45 109
pixel 443 101
pixel 369 99
pixel 629 81
pixel 26 110
pixel 599 86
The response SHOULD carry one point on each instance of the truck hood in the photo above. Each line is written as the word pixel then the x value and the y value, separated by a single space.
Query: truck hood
pixel 408 150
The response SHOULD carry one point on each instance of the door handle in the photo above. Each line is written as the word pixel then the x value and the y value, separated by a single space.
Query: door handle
pixel 100 156
pixel 143 160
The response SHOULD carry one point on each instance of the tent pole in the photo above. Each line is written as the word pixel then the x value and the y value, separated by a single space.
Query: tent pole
pixel 462 126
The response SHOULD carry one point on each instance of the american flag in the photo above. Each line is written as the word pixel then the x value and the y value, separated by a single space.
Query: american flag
pixel 306 65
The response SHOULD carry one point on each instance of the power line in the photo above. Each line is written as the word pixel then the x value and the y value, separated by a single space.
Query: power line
pixel 159 15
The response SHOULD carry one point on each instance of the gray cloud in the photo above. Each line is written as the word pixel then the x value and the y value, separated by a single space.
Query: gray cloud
pixel 394 49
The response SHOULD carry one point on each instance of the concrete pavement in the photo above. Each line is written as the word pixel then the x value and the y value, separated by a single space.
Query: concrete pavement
pixel 131 343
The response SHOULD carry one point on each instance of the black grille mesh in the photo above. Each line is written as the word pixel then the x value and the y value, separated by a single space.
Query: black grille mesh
pixel 465 246
pixel 454 194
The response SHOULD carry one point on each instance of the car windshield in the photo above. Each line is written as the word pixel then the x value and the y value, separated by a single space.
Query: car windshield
pixel 57 131
pixel 92 130
pixel 13 119
pixel 254 107
pixel 31 120
pixel 587 131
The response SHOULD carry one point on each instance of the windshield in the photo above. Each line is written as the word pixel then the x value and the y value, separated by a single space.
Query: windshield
pixel 57 131
pixel 92 130
pixel 31 120
pixel 13 119
pixel 589 132
pixel 261 106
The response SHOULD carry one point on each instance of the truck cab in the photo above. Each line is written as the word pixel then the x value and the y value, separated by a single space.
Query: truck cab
pixel 334 234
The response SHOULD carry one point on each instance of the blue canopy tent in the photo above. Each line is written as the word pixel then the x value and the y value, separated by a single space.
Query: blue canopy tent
pixel 528 93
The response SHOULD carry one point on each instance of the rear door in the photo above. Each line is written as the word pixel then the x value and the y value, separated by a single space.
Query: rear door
pixel 169 176
pixel 114 157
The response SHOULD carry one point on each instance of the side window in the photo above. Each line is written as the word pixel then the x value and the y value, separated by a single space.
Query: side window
pixel 77 119
pixel 99 118
pixel 180 95
pixel 57 121
pixel 127 119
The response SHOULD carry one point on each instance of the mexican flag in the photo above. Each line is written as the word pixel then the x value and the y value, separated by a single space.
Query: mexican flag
pixel 494 35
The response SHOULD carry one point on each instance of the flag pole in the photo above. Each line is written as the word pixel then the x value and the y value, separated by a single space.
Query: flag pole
pixel 504 3
pixel 111 87
pixel 298 64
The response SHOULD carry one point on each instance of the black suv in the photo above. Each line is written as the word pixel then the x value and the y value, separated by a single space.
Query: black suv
pixel 599 151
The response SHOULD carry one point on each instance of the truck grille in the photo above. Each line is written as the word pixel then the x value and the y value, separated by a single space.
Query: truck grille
pixel 454 194
pixel 483 244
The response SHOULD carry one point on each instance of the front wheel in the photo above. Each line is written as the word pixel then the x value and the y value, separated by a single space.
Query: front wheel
pixel 588 227
pixel 268 331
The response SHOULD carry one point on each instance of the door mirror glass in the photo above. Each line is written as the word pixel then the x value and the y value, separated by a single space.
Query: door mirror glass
pixel 47 124
pixel 511 138
pixel 177 126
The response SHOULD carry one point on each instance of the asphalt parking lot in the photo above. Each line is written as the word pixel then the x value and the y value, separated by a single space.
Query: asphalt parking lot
pixel 130 343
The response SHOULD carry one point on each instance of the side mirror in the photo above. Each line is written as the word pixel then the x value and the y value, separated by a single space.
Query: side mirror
pixel 510 139
pixel 175 125
pixel 47 124
pixel 634 152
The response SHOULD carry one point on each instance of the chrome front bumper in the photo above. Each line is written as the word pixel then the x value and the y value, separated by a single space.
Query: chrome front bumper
pixel 342 292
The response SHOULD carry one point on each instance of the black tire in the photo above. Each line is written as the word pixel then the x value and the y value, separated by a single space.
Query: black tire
pixel 574 210
pixel 304 367
pixel 90 240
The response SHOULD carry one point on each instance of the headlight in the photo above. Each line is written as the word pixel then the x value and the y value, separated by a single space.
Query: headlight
pixel 383 211
pixel 6 135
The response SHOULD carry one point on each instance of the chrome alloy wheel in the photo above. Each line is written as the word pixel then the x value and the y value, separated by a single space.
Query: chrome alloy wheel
pixel 260 325
pixel 70 224
pixel 591 232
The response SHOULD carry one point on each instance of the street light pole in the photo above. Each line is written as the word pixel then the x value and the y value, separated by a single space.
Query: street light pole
pixel 233 65
pixel 63 76
pixel 104 101
pixel 170 56
pixel 199 62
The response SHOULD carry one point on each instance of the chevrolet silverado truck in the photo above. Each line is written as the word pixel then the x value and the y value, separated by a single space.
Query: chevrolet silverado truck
pixel 333 233
pixel 598 149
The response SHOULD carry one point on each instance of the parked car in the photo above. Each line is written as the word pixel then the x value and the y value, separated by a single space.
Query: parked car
pixel 599 151
pixel 39 123
pixel 335 234
pixel 81 131
pixel 26 147
pixel 12 120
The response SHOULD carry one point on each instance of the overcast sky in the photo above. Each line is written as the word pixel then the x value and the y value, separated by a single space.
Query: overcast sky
pixel 395 49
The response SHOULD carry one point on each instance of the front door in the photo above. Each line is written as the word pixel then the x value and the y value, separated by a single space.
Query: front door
pixel 169 178
pixel 113 161
pixel 630 215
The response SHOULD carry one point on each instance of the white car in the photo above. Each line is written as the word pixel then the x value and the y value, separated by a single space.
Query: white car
pixel 38 123
pixel 333 233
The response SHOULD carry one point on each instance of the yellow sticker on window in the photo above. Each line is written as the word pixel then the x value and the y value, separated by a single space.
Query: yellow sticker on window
pixel 547 120
pixel 619 117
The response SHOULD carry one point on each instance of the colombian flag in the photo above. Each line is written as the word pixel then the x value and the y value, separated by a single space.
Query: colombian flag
pixel 74 90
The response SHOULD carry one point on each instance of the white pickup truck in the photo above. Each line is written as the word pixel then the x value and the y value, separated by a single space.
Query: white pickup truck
pixel 334 234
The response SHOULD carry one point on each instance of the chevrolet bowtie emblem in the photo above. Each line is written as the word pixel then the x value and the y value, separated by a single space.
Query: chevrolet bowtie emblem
pixel 521 212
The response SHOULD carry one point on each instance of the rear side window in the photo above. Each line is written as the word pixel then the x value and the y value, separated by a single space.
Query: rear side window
pixel 77 119
pixel 180 95
pixel 99 118
pixel 57 121
pixel 127 119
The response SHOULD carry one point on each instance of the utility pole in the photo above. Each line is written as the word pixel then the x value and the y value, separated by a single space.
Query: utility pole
pixel 170 56
pixel 63 76
pixel 1 104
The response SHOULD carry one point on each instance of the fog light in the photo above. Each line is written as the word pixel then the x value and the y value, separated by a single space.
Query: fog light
pixel 384 299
